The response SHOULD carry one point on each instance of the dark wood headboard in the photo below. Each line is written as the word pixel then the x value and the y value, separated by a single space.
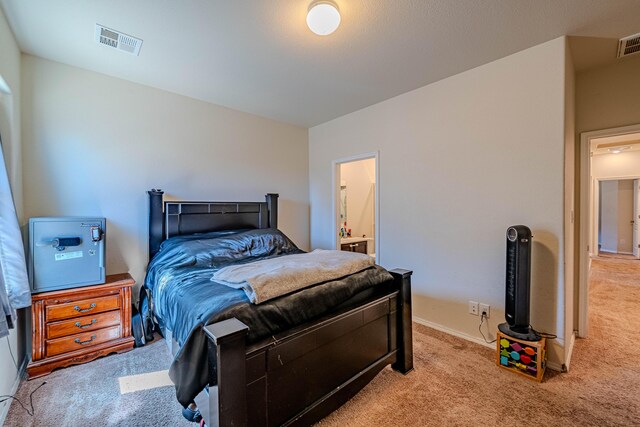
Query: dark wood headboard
pixel 177 218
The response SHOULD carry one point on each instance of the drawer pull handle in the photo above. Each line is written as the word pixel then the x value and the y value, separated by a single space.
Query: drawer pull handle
pixel 81 326
pixel 77 340
pixel 79 310
pixel 354 245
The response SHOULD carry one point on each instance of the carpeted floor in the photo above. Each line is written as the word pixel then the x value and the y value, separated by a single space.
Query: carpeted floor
pixel 455 382
pixel 89 394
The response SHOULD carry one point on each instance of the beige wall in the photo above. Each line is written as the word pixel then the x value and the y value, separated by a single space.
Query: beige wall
pixel 94 144
pixel 570 226
pixel 608 97
pixel 460 161
pixel 10 122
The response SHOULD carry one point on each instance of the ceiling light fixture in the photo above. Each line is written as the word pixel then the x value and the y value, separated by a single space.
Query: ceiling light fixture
pixel 323 17
pixel 618 150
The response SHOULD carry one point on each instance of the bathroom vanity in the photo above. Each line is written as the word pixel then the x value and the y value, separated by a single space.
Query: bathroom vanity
pixel 356 244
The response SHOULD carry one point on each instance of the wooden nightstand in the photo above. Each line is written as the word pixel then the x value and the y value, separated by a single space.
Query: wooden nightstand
pixel 74 326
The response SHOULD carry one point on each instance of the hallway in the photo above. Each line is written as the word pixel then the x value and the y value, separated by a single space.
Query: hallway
pixel 609 357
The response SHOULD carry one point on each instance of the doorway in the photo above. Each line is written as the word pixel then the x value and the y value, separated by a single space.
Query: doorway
pixel 355 196
pixel 610 169
pixel 616 209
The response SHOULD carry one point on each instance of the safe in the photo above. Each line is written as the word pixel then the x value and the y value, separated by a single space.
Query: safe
pixel 66 252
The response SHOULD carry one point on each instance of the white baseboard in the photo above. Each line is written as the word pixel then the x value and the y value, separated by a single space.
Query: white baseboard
pixel 21 375
pixel 551 365
pixel 441 328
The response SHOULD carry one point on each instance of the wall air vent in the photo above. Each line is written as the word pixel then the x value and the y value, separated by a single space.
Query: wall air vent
pixel 629 45
pixel 117 40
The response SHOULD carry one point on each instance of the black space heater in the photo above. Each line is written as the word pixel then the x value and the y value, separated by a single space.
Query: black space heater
pixel 518 281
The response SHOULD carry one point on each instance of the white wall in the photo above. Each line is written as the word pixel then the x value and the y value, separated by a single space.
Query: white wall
pixel 359 177
pixel 460 161
pixel 10 117
pixel 622 165
pixel 94 144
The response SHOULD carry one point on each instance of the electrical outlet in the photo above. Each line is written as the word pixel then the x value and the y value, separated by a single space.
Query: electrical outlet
pixel 485 309
pixel 473 308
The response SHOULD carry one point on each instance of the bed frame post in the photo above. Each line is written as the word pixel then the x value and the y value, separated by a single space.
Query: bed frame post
pixel 272 206
pixel 404 362
pixel 156 222
pixel 227 403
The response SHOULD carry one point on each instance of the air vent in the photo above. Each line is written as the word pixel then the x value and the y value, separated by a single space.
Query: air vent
pixel 117 40
pixel 629 45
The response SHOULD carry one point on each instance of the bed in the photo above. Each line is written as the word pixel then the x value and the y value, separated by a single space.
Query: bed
pixel 288 361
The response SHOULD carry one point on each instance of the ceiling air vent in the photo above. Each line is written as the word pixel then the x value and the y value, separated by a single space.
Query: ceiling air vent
pixel 629 45
pixel 117 40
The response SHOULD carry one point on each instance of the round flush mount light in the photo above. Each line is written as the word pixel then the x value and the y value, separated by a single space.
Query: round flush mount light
pixel 618 150
pixel 323 17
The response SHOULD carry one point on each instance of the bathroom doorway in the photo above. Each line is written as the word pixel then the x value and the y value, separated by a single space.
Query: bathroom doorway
pixel 356 204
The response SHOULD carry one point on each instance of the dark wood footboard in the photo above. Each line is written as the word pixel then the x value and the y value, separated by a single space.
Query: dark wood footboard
pixel 310 371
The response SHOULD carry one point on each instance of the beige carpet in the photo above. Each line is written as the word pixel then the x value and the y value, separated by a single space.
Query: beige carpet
pixel 455 382
pixel 91 394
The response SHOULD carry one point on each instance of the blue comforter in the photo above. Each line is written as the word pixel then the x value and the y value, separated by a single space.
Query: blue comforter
pixel 184 298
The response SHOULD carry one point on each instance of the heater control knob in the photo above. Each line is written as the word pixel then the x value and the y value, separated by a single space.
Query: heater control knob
pixel 512 234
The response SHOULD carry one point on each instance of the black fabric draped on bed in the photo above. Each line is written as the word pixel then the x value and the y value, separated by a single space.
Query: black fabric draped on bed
pixel 184 298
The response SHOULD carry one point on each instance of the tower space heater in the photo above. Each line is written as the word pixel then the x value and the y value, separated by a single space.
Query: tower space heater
pixel 518 284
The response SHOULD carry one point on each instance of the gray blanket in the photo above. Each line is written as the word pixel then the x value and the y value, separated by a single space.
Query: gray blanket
pixel 271 278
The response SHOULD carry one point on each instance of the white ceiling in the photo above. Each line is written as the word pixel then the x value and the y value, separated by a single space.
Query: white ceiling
pixel 258 56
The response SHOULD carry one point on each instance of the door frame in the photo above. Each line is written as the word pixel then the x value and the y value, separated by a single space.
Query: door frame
pixel 636 216
pixel 335 200
pixel 587 218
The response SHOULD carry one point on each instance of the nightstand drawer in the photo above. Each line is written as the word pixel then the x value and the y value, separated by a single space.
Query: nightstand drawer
pixel 77 325
pixel 81 341
pixel 82 307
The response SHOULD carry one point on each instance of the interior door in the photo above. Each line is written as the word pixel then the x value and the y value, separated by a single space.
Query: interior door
pixel 636 218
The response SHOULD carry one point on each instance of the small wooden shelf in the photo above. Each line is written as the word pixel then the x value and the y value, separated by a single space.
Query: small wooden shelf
pixel 74 326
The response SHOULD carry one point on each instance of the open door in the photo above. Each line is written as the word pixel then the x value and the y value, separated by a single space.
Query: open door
pixel 636 218
pixel 356 204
